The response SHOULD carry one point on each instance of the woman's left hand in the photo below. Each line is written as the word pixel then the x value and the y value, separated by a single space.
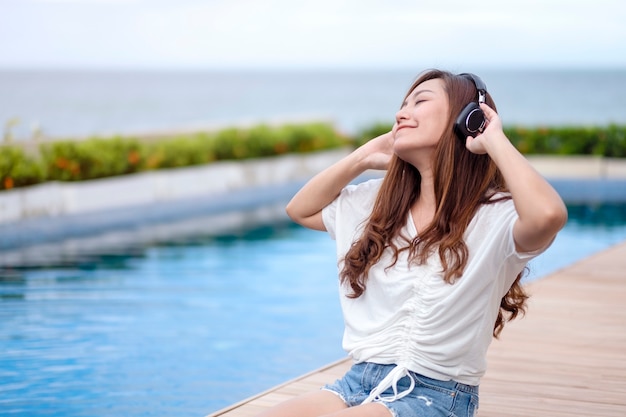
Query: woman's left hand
pixel 492 131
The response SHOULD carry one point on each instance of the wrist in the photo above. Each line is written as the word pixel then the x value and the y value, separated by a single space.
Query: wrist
pixel 359 160
pixel 498 145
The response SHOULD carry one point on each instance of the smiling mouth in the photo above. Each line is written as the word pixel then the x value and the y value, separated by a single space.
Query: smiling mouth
pixel 402 127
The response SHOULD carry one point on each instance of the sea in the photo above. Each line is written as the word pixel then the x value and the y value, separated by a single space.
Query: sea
pixel 79 103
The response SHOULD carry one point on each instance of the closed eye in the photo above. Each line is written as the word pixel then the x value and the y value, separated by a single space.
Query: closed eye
pixel 414 96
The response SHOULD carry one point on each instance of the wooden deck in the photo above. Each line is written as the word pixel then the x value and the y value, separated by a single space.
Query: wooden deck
pixel 567 357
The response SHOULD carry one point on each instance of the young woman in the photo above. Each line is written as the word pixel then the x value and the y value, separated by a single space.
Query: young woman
pixel 430 256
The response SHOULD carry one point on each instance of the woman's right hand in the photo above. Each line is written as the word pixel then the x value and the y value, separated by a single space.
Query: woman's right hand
pixel 377 152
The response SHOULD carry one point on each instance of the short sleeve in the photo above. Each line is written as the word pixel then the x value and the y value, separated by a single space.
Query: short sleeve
pixel 328 217
pixel 492 243
pixel 347 213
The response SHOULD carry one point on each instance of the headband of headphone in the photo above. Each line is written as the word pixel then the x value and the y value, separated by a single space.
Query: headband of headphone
pixel 471 120
pixel 480 85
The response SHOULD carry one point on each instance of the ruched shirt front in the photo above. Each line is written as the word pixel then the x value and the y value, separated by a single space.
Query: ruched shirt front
pixel 408 315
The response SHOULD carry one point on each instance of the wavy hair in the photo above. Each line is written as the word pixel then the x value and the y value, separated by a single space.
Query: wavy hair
pixel 463 182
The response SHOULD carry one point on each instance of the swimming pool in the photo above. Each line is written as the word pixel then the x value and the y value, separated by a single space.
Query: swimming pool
pixel 189 326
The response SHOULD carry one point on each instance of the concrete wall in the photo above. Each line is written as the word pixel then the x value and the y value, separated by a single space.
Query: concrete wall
pixel 224 195
pixel 57 199
pixel 584 179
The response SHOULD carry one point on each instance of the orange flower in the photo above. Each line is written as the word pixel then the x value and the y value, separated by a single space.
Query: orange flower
pixel 8 183
pixel 133 157
pixel 280 148
pixel 61 162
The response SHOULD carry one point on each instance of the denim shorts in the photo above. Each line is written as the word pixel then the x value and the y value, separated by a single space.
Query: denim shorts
pixel 429 398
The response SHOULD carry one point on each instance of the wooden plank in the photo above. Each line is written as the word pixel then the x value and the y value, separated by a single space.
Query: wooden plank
pixel 566 358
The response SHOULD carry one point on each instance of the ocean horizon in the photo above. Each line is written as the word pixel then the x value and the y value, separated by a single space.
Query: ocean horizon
pixel 78 103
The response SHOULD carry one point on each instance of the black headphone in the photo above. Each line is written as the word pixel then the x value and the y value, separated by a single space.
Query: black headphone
pixel 471 120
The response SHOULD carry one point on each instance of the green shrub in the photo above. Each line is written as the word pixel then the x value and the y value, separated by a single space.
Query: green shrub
pixel 105 157
pixel 231 144
pixel 607 141
pixel 263 140
pixel 18 170
pixel 312 137
pixel 178 152
pixel 371 132
pixel 91 158
pixel 612 142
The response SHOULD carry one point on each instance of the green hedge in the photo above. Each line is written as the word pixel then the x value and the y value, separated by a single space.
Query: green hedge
pixel 18 170
pixel 607 141
pixel 90 159
pixel 71 160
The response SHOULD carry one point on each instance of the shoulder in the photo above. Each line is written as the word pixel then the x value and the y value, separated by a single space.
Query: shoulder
pixel 360 194
pixel 498 212
pixel 358 198
pixel 350 209
pixel 363 190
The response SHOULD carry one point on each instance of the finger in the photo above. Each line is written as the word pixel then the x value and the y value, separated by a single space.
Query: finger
pixel 485 108
pixel 488 111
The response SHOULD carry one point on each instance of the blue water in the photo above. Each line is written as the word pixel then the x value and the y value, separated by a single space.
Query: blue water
pixel 176 329
pixel 188 327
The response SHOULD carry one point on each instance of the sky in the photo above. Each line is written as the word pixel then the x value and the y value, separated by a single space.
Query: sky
pixel 353 34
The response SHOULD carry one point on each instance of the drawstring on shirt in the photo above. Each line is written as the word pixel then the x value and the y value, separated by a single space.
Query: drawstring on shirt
pixel 391 381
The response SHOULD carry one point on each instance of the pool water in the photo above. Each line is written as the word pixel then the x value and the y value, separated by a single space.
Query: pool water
pixel 187 327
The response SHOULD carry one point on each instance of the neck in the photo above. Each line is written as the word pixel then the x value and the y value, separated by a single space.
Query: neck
pixel 423 210
pixel 427 188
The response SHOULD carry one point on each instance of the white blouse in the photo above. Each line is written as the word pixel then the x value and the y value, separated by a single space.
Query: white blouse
pixel 408 315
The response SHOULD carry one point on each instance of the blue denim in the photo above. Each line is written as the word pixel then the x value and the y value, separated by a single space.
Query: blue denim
pixel 429 398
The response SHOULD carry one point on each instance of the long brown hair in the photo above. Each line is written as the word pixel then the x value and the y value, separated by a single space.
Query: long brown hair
pixel 463 182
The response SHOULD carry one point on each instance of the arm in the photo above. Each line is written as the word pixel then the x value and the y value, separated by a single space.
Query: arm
pixel 305 208
pixel 541 211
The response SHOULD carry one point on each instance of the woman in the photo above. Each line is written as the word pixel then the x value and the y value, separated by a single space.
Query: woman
pixel 430 256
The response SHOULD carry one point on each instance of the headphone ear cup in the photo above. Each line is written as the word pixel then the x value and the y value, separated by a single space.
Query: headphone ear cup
pixel 470 121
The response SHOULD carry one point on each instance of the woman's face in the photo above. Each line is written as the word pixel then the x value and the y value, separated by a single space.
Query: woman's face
pixel 421 121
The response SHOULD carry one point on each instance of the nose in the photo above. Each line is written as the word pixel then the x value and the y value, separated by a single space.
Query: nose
pixel 401 114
